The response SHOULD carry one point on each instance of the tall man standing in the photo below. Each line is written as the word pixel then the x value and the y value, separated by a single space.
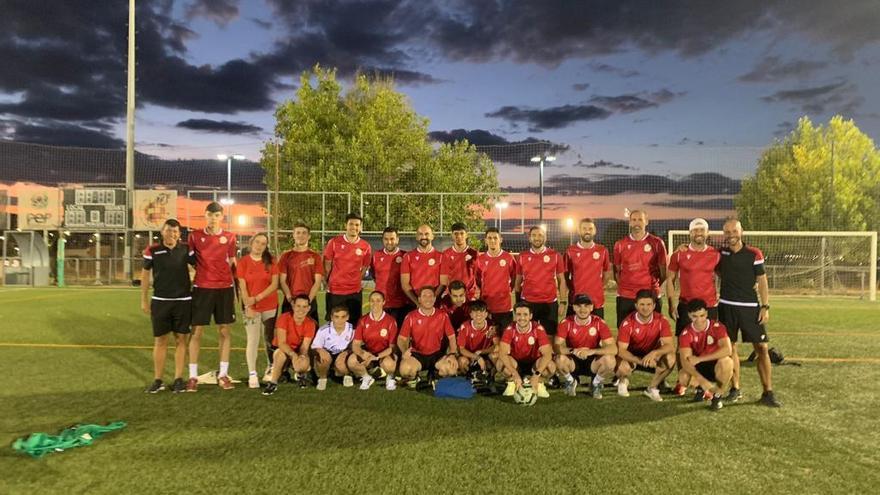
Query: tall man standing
pixel 694 268
pixel 346 258
pixel 496 274
pixel 588 267
pixel 302 271
pixel 459 262
pixel 421 266
pixel 540 281
pixel 386 272
pixel 639 263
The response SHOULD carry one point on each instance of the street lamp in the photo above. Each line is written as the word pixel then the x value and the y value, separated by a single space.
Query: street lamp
pixel 228 199
pixel 501 205
pixel 540 159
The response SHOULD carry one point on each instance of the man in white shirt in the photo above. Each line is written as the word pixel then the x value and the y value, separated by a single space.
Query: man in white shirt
pixel 331 347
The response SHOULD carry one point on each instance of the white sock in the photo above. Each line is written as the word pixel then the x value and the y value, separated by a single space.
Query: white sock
pixel 193 370
pixel 252 373
pixel 597 380
pixel 390 376
pixel 568 377
pixel 224 368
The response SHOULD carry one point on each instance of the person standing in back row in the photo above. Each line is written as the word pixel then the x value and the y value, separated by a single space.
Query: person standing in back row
pixel 639 263
pixel 346 259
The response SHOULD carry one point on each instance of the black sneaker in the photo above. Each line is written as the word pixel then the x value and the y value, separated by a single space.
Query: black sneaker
pixel 302 381
pixel 698 395
pixel 178 386
pixel 717 403
pixel 270 388
pixel 155 387
pixel 769 400
pixel 734 395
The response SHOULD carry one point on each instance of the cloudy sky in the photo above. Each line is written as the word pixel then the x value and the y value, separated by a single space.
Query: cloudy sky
pixel 626 88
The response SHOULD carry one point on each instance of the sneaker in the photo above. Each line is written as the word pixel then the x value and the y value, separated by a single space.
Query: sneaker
pixel 734 395
pixel 390 384
pixel 716 403
pixel 225 383
pixel 366 382
pixel 253 381
pixel 571 387
pixel 302 381
pixel 653 394
pixel 178 386
pixel 623 387
pixel 597 390
pixel 155 387
pixel 270 388
pixel 509 390
pixel 769 400
pixel 679 390
pixel 192 385
pixel 347 381
pixel 267 376
pixel 542 391
pixel 698 395
pixel 209 378
pixel 322 384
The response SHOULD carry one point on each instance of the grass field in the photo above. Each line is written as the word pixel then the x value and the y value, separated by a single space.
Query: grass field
pixel 825 440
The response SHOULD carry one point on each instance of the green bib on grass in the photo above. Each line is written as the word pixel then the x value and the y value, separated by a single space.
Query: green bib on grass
pixel 39 444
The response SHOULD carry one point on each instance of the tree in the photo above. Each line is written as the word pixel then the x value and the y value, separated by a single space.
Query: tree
pixel 370 139
pixel 817 178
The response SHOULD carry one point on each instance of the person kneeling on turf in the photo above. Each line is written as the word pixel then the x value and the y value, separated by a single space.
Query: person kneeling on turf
pixel 331 347
pixel 373 344
pixel 477 342
pixel 645 342
pixel 294 332
pixel 525 350
pixel 584 346
pixel 704 349
pixel 421 340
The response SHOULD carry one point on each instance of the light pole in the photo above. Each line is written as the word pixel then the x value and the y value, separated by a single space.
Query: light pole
pixel 228 199
pixel 501 205
pixel 540 159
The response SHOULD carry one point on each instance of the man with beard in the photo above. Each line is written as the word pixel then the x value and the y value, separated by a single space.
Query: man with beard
pixel 588 267
pixel 540 281
pixel 346 259
pixel 386 272
pixel 496 272
pixel 639 263
pixel 421 267
pixel 694 268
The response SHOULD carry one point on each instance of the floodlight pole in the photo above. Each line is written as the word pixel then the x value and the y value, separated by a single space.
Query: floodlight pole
pixel 129 144
pixel 540 160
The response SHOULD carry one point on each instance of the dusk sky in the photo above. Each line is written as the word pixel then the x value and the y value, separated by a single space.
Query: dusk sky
pixel 661 88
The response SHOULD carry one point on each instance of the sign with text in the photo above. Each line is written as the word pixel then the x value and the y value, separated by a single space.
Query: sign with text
pixel 98 208
pixel 39 208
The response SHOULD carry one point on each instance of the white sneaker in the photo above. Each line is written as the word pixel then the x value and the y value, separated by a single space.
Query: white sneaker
pixel 542 391
pixel 623 387
pixel 390 384
pixel 509 390
pixel 322 384
pixel 253 381
pixel 653 394
pixel 347 381
pixel 366 382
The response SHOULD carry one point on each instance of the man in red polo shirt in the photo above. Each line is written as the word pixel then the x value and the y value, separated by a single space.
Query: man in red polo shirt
pixel 386 272
pixel 540 281
pixel 421 340
pixel 525 351
pixel 213 292
pixel 294 332
pixel 456 304
pixel 496 274
pixel 421 267
pixel 459 262
pixel 694 268
pixel 588 267
pixel 346 259
pixel 644 342
pixel 639 263
pixel 584 346
pixel 301 271
pixel 704 349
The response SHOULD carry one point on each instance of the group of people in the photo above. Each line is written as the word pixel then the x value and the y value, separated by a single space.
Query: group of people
pixel 438 314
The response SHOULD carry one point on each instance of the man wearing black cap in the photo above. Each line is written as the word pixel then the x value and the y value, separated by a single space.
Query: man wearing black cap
pixel 584 346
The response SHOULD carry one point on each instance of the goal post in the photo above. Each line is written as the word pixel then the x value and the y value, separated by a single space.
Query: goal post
pixel 819 263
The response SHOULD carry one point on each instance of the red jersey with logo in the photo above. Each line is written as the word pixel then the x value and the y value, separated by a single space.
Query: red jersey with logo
pixel 426 331
pixel 377 335
pixel 212 253
pixel 475 339
pixel 295 333
pixel 495 276
pixel 638 264
pixel 460 266
pixel 586 267
pixel 423 268
pixel 587 335
pixel 643 337
pixel 300 268
pixel 696 274
pixel 386 273
pixel 457 315
pixel 348 259
pixel 539 271
pixel 258 277
pixel 705 342
pixel 525 346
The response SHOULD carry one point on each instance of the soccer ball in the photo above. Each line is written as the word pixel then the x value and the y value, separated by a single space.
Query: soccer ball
pixel 525 396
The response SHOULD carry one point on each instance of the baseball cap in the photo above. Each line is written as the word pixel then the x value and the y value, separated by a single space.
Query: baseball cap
pixel 582 299
pixel 697 223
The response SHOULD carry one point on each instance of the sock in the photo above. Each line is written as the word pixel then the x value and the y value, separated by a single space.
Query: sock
pixel 252 373
pixel 390 376
pixel 224 368
pixel 193 370
pixel 597 380
pixel 568 377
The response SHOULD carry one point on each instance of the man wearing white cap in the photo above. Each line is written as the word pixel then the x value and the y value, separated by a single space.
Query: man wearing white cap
pixel 694 269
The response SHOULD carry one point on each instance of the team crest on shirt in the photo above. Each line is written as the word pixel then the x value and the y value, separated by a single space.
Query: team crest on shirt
pixel 432 262
pixel 647 248
pixel 710 340
pixel 595 256
pixel 688 256
pixel 468 258
pixel 503 262
pixel 546 258
pixel 203 239
pixel 383 332
pixel 531 340
pixel 592 331
pixel 310 261
pixel 419 321
pixel 223 240
pixel 637 331
pixel 399 259
pixel 358 251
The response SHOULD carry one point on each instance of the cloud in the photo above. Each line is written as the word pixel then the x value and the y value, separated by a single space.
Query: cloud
pixel 603 164
pixel 60 134
pixel 773 69
pixel 221 12
pixel 580 86
pixel 610 69
pixel 704 184
pixel 550 118
pixel 783 129
pixel 403 76
pixel 685 141
pixel 838 97
pixel 261 23
pixel 219 126
pixel 499 149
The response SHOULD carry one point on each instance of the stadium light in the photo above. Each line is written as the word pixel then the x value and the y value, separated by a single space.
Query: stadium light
pixel 501 205
pixel 569 226
pixel 228 158
pixel 540 159
pixel 242 220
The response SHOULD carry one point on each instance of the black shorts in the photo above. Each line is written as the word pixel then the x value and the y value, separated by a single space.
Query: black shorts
pixel 626 306
pixel 742 319
pixel 707 369
pixel 219 303
pixel 501 321
pixel 526 368
pixel 684 320
pixel 354 303
pixel 170 316
pixel 582 367
pixel 639 367
pixel 313 309
pixel 547 314
pixel 600 312
pixel 428 361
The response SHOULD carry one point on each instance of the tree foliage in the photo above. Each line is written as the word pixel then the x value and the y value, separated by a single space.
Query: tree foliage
pixel 817 178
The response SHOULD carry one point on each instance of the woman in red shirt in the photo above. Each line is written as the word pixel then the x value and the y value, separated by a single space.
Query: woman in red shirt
pixel 257 275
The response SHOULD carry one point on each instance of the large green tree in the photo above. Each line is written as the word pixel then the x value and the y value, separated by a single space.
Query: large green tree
pixel 369 138
pixel 816 178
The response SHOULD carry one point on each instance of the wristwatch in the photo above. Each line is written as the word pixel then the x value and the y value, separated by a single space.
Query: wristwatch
pixel 765 306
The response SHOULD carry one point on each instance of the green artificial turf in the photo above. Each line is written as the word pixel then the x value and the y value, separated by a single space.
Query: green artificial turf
pixel 825 439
